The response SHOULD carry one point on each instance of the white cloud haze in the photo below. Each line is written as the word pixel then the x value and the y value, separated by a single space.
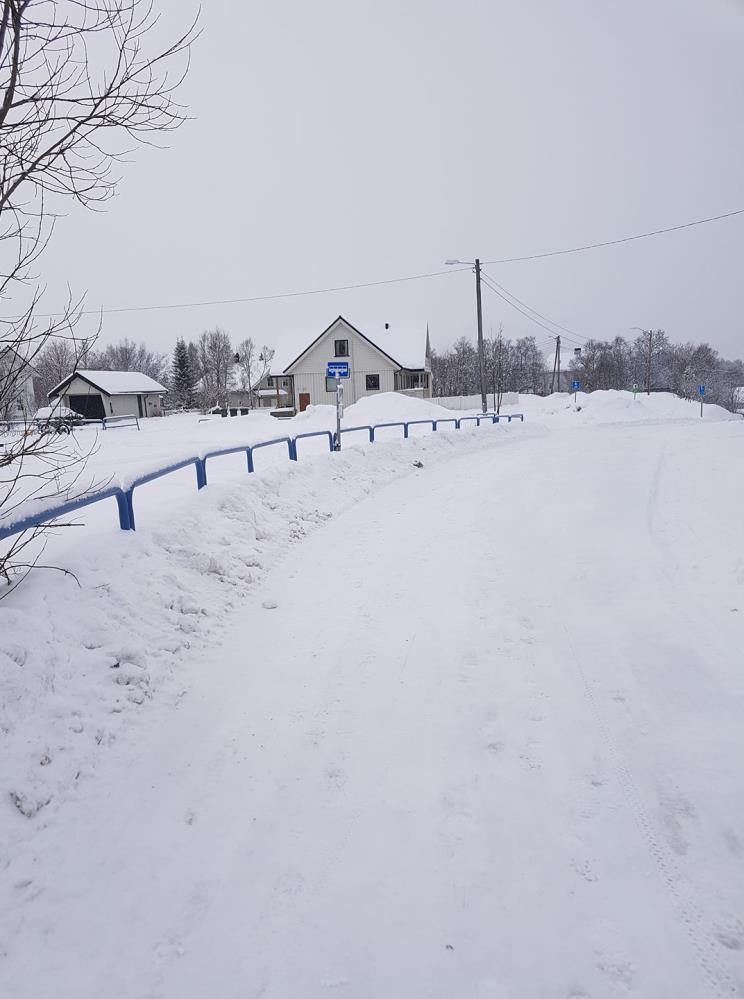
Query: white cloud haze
pixel 342 142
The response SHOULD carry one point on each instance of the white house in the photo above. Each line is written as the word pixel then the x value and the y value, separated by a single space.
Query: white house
pixel 17 380
pixel 95 394
pixel 739 400
pixel 382 357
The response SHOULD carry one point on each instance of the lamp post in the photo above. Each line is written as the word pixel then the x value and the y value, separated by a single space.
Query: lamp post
pixel 481 358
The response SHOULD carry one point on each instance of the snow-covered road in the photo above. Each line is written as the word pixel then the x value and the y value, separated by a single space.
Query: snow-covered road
pixel 488 743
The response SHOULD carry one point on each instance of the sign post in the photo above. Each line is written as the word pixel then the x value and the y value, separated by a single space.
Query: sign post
pixel 338 370
pixel 575 386
pixel 701 393
pixel 635 391
pixel 339 411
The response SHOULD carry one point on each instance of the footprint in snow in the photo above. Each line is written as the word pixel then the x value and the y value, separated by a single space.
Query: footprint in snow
pixel 269 605
pixel 729 932
pixel 584 869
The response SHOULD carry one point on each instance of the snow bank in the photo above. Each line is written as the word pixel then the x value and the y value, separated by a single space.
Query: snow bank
pixel 392 406
pixel 80 653
pixel 612 406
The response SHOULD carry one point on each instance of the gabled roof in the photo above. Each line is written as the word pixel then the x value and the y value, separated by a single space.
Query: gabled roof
pixel 5 352
pixel 113 383
pixel 404 343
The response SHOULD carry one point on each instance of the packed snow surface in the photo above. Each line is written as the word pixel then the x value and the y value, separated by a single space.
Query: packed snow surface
pixel 452 716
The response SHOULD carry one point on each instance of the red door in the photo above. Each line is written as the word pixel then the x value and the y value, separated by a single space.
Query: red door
pixel 304 401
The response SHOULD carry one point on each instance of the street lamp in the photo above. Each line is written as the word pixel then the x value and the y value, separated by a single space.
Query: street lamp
pixel 481 359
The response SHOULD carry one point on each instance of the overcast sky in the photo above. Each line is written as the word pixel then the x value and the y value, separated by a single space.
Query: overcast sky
pixel 347 141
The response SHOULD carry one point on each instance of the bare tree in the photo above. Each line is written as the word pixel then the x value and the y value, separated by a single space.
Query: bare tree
pixel 126 355
pixel 58 359
pixel 216 357
pixel 499 362
pixel 253 364
pixel 78 89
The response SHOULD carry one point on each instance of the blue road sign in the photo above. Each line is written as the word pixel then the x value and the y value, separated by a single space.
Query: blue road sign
pixel 575 385
pixel 701 389
pixel 340 368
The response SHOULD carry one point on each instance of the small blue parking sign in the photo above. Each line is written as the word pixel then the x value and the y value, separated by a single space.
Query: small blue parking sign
pixel 575 385
pixel 701 389
pixel 338 369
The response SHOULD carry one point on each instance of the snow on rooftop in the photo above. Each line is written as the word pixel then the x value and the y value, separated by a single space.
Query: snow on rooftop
pixel 122 382
pixel 404 341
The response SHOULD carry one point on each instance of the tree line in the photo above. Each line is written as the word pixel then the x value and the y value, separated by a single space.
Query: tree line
pixel 651 360
pixel 202 373
pixel 199 373
pixel 510 366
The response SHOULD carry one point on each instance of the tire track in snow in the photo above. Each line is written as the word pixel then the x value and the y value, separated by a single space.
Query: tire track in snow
pixel 719 981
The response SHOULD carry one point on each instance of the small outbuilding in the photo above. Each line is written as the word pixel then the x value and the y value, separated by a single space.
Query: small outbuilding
pixel 95 394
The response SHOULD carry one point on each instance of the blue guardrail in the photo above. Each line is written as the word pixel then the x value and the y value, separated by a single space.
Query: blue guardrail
pixel 125 497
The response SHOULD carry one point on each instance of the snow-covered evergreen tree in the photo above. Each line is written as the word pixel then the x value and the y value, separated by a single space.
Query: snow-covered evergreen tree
pixel 182 376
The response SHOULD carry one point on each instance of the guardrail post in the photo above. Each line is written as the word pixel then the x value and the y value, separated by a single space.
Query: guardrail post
pixel 405 431
pixel 249 457
pixel 292 444
pixel 201 473
pixel 129 499
pixel 433 425
pixel 121 502
pixel 371 435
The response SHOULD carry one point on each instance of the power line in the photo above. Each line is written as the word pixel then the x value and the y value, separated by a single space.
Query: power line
pixel 615 242
pixel 564 329
pixel 494 289
pixel 261 298
pixel 397 280
pixel 526 314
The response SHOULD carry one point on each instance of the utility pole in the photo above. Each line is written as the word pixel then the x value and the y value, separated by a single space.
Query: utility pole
pixel 556 365
pixel 481 352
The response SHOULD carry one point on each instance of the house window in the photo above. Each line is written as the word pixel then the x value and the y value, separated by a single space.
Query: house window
pixel 269 381
pixel 342 348
pixel 331 385
pixel 373 383
pixel 411 380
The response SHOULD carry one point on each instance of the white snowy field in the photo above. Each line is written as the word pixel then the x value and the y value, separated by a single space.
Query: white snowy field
pixel 356 728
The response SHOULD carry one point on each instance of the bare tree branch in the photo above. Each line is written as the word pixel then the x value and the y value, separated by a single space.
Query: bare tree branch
pixel 80 87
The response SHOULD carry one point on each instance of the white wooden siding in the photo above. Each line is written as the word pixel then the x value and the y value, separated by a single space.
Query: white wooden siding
pixel 364 359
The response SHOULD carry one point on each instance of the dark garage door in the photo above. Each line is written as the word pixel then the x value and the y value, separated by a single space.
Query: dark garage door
pixel 89 406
